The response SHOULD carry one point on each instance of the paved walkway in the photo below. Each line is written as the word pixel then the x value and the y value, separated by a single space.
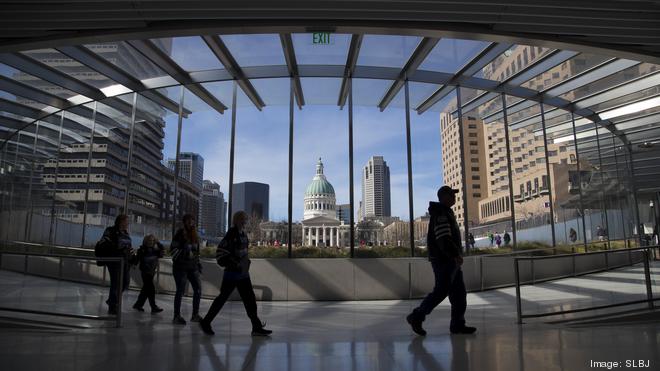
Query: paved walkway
pixel 332 335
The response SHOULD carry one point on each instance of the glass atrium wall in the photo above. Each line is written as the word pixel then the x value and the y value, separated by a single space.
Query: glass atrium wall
pixel 91 131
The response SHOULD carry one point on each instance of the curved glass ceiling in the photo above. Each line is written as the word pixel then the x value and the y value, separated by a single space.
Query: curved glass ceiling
pixel 39 83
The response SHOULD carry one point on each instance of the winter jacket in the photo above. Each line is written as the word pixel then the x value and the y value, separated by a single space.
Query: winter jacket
pixel 116 243
pixel 185 254
pixel 235 245
pixel 148 257
pixel 443 239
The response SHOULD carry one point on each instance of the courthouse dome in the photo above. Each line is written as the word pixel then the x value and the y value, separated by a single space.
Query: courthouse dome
pixel 319 185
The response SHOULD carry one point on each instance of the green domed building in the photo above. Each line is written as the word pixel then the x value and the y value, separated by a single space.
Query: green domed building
pixel 320 196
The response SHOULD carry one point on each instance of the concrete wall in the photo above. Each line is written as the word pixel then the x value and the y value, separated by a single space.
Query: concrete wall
pixel 338 279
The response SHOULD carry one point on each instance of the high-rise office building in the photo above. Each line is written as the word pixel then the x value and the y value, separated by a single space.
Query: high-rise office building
pixel 187 198
pixel 191 168
pixel 251 197
pixel 107 187
pixel 213 209
pixel 344 213
pixel 485 161
pixel 528 167
pixel 473 161
pixel 376 200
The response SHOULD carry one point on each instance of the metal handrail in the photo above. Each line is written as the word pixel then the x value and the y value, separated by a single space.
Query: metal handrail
pixel 36 244
pixel 117 318
pixel 523 252
pixel 647 280
pixel 586 253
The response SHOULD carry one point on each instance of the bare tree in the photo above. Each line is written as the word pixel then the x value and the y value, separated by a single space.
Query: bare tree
pixel 252 228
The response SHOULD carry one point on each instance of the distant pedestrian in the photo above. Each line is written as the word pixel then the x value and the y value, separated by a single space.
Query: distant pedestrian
pixel 507 238
pixel 186 267
pixel 600 232
pixel 147 258
pixel 572 235
pixel 444 247
pixel 491 237
pixel 498 240
pixel 232 254
pixel 471 242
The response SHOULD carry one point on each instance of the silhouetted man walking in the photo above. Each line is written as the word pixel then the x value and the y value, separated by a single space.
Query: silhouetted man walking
pixel 444 246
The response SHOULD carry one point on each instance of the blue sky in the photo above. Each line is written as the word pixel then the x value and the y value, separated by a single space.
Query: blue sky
pixel 321 128
pixel 319 131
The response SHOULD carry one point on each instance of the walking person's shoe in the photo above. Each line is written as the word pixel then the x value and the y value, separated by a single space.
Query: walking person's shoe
pixel 260 330
pixel 178 320
pixel 415 324
pixel 138 308
pixel 155 310
pixel 206 327
pixel 196 318
pixel 463 330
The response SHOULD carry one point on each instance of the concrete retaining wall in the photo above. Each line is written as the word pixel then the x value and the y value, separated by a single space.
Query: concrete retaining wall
pixel 338 279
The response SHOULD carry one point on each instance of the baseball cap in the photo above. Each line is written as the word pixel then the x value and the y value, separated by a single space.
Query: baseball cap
pixel 446 190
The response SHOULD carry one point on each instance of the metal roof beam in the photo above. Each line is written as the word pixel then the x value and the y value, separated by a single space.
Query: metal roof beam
pixel 418 56
pixel 92 60
pixel 541 65
pixel 38 115
pixel 476 64
pixel 54 76
pixel 50 74
pixel 292 66
pixel 349 68
pixel 165 63
pixel 224 56
pixel 26 91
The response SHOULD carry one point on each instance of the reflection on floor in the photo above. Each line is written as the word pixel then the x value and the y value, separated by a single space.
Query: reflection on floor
pixel 332 335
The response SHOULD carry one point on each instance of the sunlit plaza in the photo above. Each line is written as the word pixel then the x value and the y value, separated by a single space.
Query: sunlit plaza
pixel 332 125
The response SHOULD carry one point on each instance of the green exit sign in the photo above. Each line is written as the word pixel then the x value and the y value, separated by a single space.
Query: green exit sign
pixel 322 38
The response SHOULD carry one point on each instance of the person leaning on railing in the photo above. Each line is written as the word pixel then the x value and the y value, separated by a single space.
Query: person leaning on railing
pixel 116 242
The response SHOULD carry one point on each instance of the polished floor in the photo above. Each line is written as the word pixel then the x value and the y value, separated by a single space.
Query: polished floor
pixel 334 335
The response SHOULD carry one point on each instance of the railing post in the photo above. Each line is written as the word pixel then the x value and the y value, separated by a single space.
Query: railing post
pixel 630 261
pixel 157 276
pixel 481 272
pixel 518 300
pixel 607 260
pixel 573 259
pixel 120 291
pixel 647 279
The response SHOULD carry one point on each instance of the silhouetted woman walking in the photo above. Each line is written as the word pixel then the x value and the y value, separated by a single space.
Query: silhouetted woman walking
pixel 233 255
pixel 186 267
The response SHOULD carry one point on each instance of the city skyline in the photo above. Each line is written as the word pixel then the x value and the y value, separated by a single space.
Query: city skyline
pixel 262 152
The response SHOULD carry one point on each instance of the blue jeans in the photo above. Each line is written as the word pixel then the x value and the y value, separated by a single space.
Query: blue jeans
pixel 181 278
pixel 448 282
